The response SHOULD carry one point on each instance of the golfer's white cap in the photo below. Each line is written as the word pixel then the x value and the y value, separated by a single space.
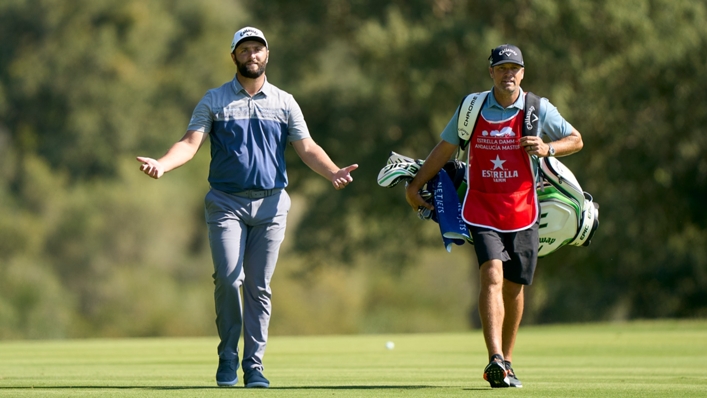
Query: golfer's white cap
pixel 248 33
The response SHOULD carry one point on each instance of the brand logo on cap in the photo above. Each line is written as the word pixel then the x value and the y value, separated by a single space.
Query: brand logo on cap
pixel 504 54
pixel 247 33
pixel 507 52
pixel 250 32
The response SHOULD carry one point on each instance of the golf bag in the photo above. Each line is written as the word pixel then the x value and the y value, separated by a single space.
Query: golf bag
pixel 568 215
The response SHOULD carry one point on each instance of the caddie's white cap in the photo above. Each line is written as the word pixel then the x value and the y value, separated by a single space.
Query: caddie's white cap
pixel 248 33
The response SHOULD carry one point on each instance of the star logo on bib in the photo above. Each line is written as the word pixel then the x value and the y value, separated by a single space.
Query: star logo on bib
pixel 498 163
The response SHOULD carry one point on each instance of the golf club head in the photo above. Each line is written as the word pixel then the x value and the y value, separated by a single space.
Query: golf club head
pixel 392 174
pixel 398 158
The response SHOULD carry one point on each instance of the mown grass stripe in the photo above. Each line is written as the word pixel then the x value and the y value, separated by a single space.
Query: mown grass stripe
pixel 637 359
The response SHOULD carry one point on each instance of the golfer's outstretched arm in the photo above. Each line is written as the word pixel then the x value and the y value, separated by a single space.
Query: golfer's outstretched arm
pixel 439 156
pixel 181 152
pixel 314 156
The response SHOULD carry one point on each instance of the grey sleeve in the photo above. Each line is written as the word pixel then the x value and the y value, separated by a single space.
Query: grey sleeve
pixel 296 124
pixel 552 124
pixel 202 117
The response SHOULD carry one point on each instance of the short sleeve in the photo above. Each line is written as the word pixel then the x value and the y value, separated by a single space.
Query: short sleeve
pixel 202 117
pixel 296 124
pixel 450 132
pixel 552 124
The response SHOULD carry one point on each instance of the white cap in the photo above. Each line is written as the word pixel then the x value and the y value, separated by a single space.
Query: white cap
pixel 248 33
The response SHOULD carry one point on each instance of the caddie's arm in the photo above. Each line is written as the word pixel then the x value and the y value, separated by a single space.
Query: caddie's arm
pixel 181 152
pixel 568 145
pixel 565 146
pixel 439 156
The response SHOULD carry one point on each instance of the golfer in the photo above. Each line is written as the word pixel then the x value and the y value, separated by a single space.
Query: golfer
pixel 249 123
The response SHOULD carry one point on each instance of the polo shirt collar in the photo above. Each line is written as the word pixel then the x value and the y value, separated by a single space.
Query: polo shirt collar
pixel 520 102
pixel 265 90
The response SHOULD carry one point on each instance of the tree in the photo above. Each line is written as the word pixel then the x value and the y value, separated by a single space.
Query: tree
pixel 379 77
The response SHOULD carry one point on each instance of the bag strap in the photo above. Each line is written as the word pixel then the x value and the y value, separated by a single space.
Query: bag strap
pixel 470 108
pixel 531 119
pixel 531 122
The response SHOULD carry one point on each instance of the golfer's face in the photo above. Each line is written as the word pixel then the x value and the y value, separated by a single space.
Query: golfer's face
pixel 507 77
pixel 251 57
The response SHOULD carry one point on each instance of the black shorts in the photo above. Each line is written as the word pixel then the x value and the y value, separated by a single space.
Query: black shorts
pixel 517 250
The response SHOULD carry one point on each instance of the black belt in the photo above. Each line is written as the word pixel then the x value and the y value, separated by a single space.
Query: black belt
pixel 257 193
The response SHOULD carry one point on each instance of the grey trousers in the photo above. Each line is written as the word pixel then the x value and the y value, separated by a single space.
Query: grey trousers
pixel 245 236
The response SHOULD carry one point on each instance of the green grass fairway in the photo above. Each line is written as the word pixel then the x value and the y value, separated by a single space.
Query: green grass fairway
pixel 638 359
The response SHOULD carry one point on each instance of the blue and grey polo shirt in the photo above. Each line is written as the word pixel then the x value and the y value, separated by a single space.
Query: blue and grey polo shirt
pixel 248 135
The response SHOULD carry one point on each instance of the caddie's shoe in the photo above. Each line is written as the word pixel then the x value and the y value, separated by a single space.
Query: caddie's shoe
pixel 496 373
pixel 254 378
pixel 226 373
pixel 514 382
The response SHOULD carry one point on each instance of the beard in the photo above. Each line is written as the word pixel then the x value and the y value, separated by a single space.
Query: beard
pixel 245 72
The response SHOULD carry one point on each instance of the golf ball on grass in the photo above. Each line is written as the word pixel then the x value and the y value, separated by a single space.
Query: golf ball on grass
pixel 390 345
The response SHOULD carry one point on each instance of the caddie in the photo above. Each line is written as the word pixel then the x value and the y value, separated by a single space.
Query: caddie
pixel 501 204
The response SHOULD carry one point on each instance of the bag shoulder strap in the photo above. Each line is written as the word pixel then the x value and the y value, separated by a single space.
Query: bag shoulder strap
pixel 469 110
pixel 531 119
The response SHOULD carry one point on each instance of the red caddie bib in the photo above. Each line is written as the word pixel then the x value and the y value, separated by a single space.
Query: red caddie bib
pixel 501 191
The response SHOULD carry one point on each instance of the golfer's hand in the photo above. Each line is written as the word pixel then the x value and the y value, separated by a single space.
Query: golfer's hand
pixel 342 178
pixel 412 195
pixel 535 146
pixel 151 167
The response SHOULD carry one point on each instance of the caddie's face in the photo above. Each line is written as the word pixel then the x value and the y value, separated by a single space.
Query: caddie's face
pixel 250 58
pixel 507 77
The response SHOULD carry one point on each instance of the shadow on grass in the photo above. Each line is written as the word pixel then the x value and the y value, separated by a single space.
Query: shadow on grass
pixel 354 387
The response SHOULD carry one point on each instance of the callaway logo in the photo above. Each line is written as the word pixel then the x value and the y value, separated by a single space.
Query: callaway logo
pixel 530 118
pixel 507 52
pixel 249 32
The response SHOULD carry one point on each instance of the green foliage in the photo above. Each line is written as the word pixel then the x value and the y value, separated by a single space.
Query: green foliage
pixel 642 140
pixel 90 247
pixel 85 87
pixel 100 79
pixel 626 74
pixel 367 298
